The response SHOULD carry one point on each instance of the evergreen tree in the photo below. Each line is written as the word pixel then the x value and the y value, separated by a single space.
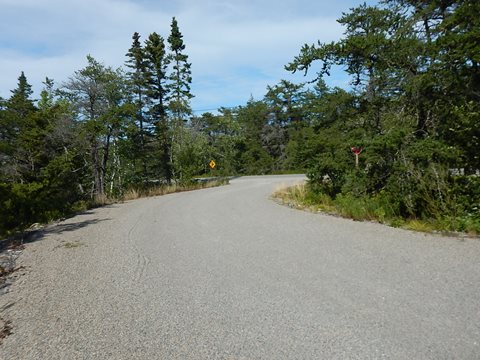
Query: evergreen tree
pixel 41 169
pixel 20 102
pixel 180 77
pixel 47 95
pixel 18 113
pixel 156 65
pixel 178 89
pixel 223 135
pixel 139 80
pixel 253 118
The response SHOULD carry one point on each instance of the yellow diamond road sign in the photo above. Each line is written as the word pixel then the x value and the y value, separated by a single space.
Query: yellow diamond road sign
pixel 212 164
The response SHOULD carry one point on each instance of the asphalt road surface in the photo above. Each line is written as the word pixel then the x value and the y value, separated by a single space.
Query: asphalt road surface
pixel 226 273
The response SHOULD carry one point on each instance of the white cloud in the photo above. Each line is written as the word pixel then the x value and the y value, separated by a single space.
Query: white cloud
pixel 236 48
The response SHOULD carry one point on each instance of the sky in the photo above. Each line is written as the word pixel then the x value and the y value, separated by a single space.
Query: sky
pixel 237 48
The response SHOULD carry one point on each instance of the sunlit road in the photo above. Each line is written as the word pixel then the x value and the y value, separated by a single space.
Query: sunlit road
pixel 226 273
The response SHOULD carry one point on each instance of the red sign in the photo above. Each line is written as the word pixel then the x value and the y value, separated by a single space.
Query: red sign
pixel 356 150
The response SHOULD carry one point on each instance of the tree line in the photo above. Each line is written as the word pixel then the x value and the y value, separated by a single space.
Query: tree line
pixel 96 134
pixel 412 108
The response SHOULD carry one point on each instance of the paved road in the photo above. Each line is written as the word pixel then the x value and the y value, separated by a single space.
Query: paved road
pixel 226 273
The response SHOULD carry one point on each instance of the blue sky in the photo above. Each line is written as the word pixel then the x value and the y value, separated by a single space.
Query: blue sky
pixel 236 47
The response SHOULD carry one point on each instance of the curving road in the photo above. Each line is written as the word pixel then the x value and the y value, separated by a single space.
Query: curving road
pixel 226 273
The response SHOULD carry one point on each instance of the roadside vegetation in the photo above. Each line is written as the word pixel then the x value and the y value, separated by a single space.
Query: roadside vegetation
pixel 133 193
pixel 411 113
pixel 370 209
pixel 403 146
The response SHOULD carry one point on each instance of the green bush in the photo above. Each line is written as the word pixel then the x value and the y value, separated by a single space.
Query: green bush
pixel 20 206
pixel 327 176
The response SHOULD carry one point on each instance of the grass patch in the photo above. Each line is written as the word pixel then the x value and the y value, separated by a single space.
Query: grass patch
pixel 293 194
pixel 370 209
pixel 135 193
pixel 419 225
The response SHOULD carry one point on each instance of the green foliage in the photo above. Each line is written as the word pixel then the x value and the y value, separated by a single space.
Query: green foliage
pixel 224 140
pixel 20 103
pixel 466 190
pixel 300 151
pixel 97 95
pixel 190 154
pixel 256 160
pixel 180 77
pixel 415 75
pixel 328 175
pixel 41 163
pixel 19 206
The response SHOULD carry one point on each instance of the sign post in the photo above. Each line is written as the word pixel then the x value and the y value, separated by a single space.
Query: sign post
pixel 357 151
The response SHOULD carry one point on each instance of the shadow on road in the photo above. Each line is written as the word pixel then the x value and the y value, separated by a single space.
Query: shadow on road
pixel 30 236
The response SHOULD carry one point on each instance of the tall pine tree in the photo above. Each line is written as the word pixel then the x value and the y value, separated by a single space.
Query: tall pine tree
pixel 19 111
pixel 179 93
pixel 20 101
pixel 180 77
pixel 139 81
pixel 157 67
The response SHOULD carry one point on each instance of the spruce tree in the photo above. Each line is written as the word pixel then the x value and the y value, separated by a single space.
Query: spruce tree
pixel 18 111
pixel 181 76
pixel 20 101
pixel 157 67
pixel 139 81
pixel 179 91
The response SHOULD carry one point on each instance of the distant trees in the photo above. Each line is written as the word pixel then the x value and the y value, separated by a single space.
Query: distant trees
pixel 223 141
pixel 160 81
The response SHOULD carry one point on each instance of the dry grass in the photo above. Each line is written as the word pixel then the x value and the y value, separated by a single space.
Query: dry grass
pixel 133 193
pixel 295 192
pixel 101 200
pixel 292 196
pixel 297 196
pixel 419 225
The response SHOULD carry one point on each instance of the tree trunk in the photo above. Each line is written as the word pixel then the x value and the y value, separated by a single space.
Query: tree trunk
pixel 97 170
